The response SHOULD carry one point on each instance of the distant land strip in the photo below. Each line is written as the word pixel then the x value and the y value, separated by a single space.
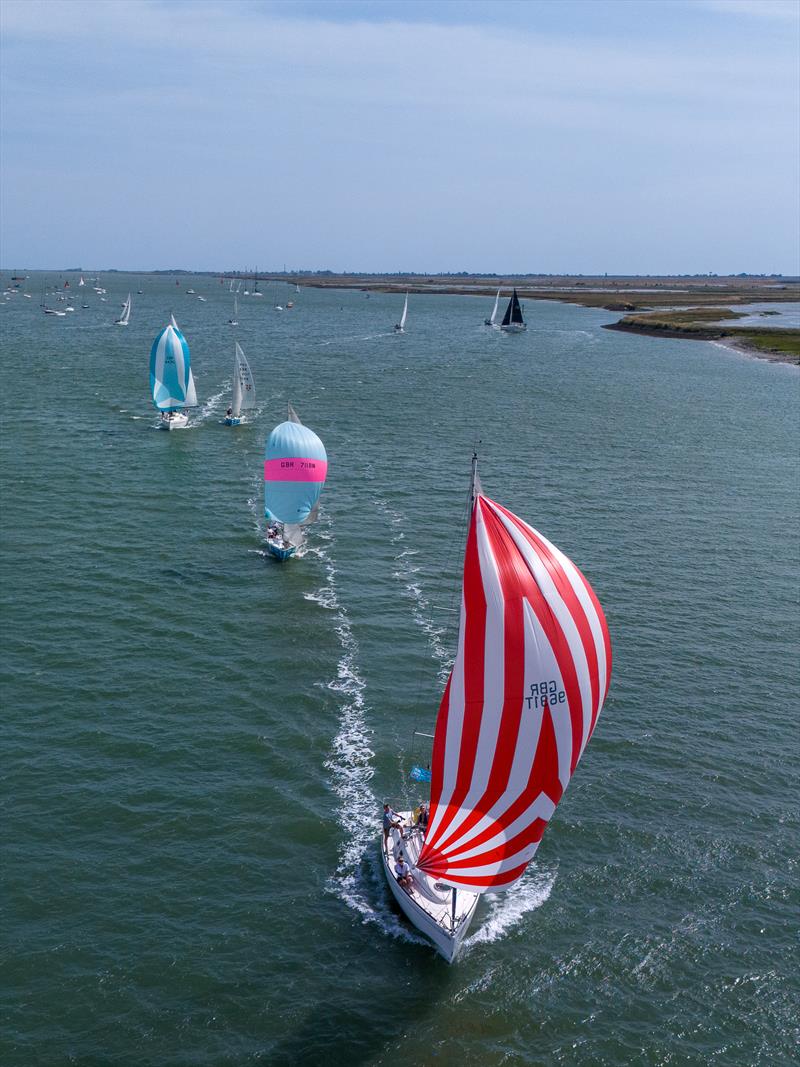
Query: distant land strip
pixel 693 308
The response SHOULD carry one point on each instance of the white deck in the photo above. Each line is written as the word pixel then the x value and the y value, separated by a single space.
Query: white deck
pixel 428 904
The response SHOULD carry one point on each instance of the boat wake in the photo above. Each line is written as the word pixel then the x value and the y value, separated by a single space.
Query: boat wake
pixel 407 573
pixel 210 406
pixel 358 880
pixel 356 337
pixel 507 910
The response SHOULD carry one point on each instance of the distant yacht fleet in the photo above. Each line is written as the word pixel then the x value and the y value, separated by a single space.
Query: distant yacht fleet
pixel 514 720
pixel 512 321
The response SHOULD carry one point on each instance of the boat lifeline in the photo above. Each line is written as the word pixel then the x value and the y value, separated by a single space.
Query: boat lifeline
pixel 512 320
pixel 244 391
pixel 171 381
pixel 295 467
pixel 125 314
pixel 530 676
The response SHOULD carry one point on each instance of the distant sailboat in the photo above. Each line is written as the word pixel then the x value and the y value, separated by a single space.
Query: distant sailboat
pixel 512 320
pixel 491 321
pixel 125 314
pixel 171 381
pixel 81 282
pixel 295 469
pixel 244 391
pixel 234 321
pixel 531 674
pixel 400 327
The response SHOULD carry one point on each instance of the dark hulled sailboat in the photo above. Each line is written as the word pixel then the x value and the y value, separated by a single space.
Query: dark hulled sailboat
pixel 512 320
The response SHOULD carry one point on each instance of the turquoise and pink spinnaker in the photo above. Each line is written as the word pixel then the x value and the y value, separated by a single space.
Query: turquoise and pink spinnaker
pixel 295 468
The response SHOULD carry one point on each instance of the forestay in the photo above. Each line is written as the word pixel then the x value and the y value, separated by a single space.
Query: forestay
pixel 530 676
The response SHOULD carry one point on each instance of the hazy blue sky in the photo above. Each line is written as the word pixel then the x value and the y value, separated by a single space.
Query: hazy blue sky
pixel 564 136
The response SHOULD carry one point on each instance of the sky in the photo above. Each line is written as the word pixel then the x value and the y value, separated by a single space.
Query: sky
pixel 514 136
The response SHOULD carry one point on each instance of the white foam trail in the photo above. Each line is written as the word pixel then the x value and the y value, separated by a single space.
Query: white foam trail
pixel 356 881
pixel 208 408
pixel 407 573
pixel 356 337
pixel 507 910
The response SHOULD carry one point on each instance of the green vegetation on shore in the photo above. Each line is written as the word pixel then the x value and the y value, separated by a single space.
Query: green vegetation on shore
pixel 710 324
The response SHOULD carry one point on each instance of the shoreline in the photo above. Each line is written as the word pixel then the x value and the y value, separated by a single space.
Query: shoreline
pixel 728 338
pixel 634 294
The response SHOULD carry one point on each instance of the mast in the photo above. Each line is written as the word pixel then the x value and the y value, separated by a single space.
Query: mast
pixel 474 485
pixel 236 405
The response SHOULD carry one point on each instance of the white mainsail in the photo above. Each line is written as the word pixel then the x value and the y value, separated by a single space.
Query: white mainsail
pixel 405 314
pixel 125 314
pixel 494 309
pixel 244 391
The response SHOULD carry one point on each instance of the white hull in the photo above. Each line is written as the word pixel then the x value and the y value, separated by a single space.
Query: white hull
pixel 514 327
pixel 429 906
pixel 175 420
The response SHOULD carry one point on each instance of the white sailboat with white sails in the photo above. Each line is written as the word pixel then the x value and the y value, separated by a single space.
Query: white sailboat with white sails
pixel 400 327
pixel 244 391
pixel 125 314
pixel 530 677
pixel 234 319
pixel 493 320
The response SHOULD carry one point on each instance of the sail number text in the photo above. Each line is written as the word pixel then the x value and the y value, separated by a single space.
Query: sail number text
pixel 545 691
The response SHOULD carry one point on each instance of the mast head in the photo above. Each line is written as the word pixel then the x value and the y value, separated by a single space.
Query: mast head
pixel 475 489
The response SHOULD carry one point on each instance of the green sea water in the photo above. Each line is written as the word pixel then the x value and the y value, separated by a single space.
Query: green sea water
pixel 196 739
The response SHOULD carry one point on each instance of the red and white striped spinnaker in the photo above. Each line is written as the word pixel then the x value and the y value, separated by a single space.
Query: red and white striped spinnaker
pixel 530 676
